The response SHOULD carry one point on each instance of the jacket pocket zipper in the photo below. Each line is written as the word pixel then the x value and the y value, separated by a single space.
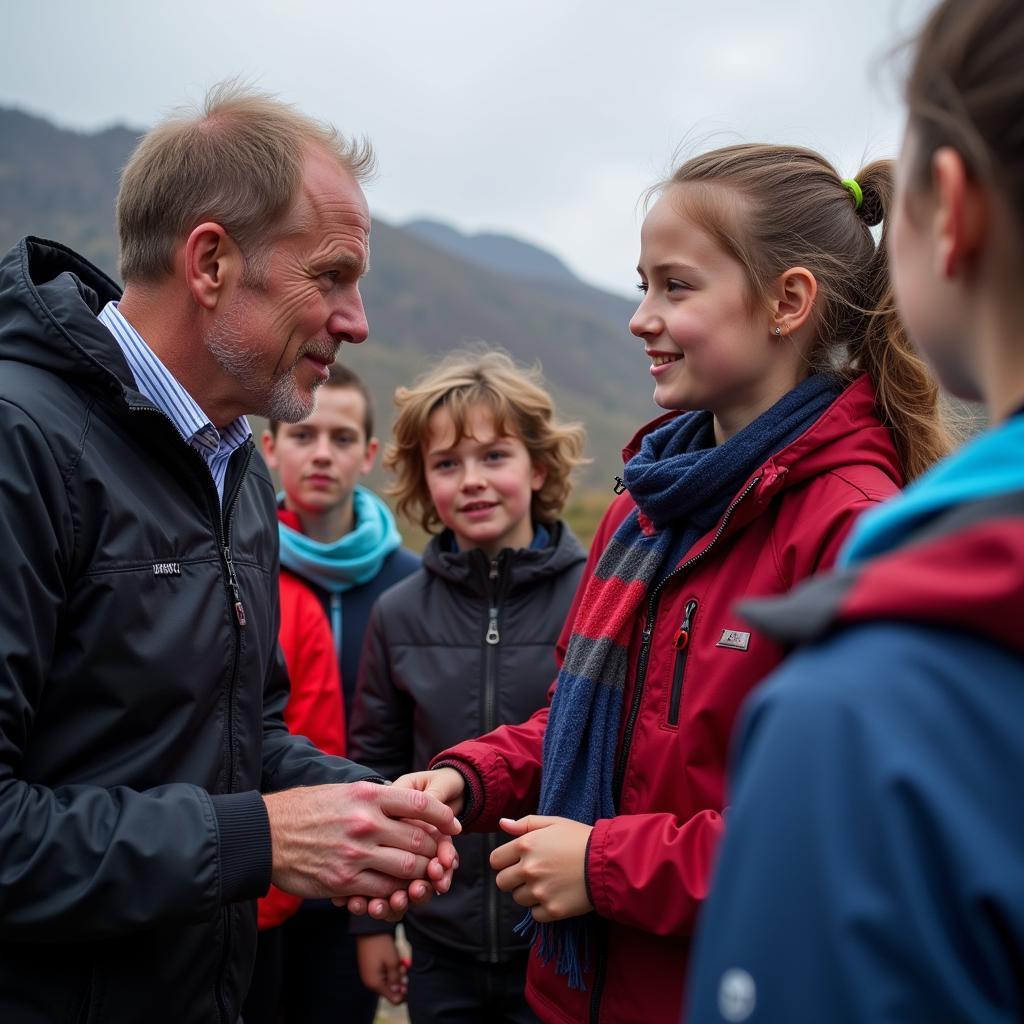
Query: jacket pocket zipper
pixel 682 644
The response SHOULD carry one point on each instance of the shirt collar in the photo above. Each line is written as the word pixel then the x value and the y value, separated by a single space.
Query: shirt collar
pixel 160 386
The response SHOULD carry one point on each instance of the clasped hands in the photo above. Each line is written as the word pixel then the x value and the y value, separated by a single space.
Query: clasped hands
pixel 376 848
pixel 542 867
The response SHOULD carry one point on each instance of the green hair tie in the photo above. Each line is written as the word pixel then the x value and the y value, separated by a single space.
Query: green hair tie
pixel 856 191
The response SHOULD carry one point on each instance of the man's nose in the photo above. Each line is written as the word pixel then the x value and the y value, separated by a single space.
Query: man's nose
pixel 347 321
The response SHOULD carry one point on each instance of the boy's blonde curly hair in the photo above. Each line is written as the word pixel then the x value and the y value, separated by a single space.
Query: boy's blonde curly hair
pixel 521 407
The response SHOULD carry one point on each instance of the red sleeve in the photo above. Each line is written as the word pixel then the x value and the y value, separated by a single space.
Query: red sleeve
pixel 649 872
pixel 504 767
pixel 314 707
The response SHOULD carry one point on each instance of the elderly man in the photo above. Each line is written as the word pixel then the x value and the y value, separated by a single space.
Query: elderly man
pixel 141 686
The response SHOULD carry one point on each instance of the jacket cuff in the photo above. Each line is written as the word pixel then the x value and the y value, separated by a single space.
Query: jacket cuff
pixel 474 798
pixel 246 855
pixel 592 875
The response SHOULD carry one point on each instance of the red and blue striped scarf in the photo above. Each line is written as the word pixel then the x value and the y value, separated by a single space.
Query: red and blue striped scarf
pixel 681 483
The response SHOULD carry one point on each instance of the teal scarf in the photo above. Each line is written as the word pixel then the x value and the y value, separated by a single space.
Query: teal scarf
pixel 352 559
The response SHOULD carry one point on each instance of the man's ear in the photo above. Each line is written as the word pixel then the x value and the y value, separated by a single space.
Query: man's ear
pixel 212 263
pixel 372 447
pixel 269 449
pixel 793 300
pixel 962 213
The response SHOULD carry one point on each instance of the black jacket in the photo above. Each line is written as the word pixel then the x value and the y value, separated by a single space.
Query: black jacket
pixel 454 650
pixel 138 716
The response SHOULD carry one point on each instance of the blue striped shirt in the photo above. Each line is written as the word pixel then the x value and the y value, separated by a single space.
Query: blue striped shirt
pixel 159 385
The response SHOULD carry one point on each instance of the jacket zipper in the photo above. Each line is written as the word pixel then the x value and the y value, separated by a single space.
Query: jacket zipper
pixel 492 637
pixel 222 527
pixel 682 644
pixel 641 671
pixel 645 640
pixel 232 689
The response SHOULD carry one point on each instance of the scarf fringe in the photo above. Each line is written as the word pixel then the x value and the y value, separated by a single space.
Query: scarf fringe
pixel 568 944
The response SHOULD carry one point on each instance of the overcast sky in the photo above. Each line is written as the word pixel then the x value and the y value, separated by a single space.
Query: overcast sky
pixel 545 119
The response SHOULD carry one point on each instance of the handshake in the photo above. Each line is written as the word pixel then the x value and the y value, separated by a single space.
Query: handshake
pixel 376 848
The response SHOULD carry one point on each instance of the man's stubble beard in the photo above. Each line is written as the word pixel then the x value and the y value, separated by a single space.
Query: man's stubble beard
pixel 277 399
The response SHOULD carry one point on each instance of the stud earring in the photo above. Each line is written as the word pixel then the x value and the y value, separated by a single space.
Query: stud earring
pixel 778 332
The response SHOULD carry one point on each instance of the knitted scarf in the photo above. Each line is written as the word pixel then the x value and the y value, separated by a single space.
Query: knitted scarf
pixel 681 484
pixel 351 560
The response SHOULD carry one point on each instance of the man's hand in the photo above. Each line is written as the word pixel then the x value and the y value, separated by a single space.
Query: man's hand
pixel 380 966
pixel 355 838
pixel 544 867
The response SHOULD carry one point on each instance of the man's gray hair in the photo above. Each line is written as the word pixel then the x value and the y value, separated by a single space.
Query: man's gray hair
pixel 237 161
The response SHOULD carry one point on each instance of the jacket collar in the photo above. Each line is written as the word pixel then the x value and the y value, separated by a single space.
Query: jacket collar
pixel 49 301
pixel 471 569
pixel 962 571
pixel 949 551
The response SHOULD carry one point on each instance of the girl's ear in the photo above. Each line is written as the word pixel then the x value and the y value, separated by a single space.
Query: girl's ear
pixel 793 300
pixel 538 476
pixel 961 214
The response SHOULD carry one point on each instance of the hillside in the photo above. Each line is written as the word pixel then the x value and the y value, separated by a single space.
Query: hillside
pixel 430 289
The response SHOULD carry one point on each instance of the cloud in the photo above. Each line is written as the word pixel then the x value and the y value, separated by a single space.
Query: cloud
pixel 543 119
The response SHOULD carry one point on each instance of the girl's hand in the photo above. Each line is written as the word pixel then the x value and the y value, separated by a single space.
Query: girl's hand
pixel 380 966
pixel 544 867
pixel 444 783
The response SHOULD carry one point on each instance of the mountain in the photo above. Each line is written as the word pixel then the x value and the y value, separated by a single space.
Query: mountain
pixel 61 184
pixel 502 253
pixel 431 288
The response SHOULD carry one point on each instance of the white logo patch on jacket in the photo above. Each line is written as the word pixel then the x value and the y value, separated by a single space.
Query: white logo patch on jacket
pixel 734 638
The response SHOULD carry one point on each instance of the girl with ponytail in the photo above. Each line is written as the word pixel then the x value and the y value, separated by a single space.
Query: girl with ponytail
pixel 794 403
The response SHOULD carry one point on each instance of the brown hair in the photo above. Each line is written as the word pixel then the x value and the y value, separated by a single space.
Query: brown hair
pixel 776 207
pixel 521 407
pixel 238 161
pixel 966 90
pixel 341 376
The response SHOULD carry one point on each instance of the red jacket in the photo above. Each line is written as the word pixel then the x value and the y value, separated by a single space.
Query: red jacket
pixel 648 869
pixel 314 707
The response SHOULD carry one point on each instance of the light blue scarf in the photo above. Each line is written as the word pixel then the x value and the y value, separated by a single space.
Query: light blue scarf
pixel 351 560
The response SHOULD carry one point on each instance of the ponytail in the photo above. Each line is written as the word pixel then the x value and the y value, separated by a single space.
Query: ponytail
pixel 906 393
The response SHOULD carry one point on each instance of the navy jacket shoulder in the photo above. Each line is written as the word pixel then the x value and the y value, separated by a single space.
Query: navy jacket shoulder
pixel 878 777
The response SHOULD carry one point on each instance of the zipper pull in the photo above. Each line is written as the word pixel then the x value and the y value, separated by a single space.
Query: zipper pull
pixel 233 583
pixel 682 637
pixel 493 574
pixel 493 636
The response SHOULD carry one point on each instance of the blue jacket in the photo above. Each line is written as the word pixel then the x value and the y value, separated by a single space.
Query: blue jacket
pixel 873 867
